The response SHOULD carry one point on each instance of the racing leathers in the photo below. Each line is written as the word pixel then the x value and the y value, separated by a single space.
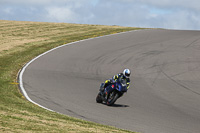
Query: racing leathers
pixel 113 80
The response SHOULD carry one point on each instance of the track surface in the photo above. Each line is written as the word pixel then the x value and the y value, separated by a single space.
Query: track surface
pixel 164 96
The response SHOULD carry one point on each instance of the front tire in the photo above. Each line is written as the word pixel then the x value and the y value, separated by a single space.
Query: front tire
pixel 113 96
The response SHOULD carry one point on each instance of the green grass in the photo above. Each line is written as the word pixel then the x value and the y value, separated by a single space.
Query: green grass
pixel 19 43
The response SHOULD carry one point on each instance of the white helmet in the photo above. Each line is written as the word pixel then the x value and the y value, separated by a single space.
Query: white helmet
pixel 127 73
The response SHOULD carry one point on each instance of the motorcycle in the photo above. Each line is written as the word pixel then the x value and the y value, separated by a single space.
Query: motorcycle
pixel 112 92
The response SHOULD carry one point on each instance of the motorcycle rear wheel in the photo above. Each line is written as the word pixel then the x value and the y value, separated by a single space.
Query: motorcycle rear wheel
pixel 98 98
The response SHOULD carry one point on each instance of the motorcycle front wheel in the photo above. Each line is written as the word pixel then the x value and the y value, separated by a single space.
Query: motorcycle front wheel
pixel 112 97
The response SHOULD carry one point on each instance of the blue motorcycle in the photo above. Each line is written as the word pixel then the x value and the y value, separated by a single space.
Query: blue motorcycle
pixel 112 92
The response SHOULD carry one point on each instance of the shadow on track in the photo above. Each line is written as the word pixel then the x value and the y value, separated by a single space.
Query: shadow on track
pixel 117 105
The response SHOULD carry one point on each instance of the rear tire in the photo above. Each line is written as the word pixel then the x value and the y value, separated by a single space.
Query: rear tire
pixel 113 99
pixel 98 98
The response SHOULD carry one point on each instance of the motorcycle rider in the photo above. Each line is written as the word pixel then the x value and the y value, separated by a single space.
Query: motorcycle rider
pixel 125 75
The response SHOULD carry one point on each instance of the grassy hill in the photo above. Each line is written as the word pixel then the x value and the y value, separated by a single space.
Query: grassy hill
pixel 19 43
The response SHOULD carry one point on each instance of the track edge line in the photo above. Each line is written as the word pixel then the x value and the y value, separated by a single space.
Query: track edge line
pixel 22 70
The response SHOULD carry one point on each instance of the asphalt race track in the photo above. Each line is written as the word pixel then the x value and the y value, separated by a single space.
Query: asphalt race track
pixel 164 96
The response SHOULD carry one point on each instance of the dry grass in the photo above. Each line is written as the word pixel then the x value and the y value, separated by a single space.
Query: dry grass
pixel 18 33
